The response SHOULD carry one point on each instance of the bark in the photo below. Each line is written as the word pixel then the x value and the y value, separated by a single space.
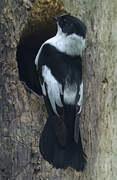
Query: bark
pixel 22 115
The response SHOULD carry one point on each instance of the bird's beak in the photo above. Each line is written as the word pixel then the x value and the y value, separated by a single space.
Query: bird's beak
pixel 55 18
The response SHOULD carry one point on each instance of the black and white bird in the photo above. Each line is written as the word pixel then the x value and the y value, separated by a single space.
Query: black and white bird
pixel 59 66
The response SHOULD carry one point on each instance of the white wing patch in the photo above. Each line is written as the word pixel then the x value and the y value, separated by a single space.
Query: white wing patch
pixel 81 97
pixel 70 92
pixel 54 88
pixel 43 89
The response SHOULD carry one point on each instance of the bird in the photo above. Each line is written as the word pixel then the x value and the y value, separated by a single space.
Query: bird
pixel 59 66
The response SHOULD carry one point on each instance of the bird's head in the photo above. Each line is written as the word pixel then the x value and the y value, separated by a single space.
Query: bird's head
pixel 71 25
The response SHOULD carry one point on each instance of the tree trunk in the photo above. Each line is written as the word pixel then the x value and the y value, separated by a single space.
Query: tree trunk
pixel 22 115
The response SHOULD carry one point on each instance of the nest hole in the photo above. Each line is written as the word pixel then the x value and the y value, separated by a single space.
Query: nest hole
pixel 39 27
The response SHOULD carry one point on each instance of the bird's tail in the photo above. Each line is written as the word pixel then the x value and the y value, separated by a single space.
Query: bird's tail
pixel 71 155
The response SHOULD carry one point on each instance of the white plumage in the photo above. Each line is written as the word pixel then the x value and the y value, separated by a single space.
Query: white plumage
pixel 70 92
pixel 54 88
pixel 81 97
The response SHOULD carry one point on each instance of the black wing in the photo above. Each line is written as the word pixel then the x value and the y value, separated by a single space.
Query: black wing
pixel 60 76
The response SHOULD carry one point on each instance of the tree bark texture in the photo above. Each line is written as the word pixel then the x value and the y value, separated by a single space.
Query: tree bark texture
pixel 22 116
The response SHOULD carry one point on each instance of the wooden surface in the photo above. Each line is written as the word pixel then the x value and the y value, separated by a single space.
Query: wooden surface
pixel 22 116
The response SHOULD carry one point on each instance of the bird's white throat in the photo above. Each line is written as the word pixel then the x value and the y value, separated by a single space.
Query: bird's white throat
pixel 70 44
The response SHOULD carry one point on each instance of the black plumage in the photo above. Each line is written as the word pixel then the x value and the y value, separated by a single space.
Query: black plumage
pixel 58 76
